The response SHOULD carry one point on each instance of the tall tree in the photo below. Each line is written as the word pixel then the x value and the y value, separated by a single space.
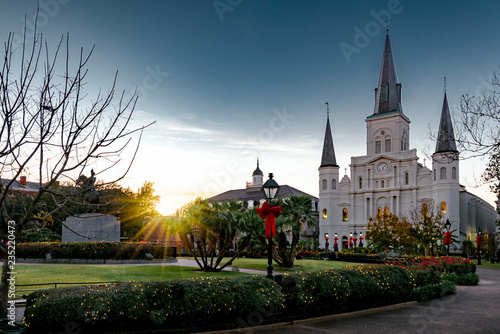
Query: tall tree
pixel 296 214
pixel 53 129
pixel 428 224
pixel 478 129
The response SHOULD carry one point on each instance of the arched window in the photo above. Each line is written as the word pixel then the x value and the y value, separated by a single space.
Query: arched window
pixel 360 183
pixel 442 173
pixel 407 178
pixel 378 146
pixel 345 214
pixel 388 145
pixel 434 174
pixel 334 184
pixel 386 210
pixel 454 173
pixel 443 207
pixel 324 185
pixel 325 214
pixel 382 184
pixel 379 211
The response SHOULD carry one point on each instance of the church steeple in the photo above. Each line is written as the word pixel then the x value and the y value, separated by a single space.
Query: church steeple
pixel 388 92
pixel 446 137
pixel 328 158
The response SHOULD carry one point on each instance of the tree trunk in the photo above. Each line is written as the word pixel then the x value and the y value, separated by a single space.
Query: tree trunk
pixel 4 283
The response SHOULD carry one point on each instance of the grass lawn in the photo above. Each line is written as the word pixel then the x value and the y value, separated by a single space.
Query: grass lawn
pixel 37 274
pixel 299 265
pixel 488 264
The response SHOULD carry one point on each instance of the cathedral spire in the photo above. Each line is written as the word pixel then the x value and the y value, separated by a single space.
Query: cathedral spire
pixel 446 137
pixel 328 158
pixel 388 92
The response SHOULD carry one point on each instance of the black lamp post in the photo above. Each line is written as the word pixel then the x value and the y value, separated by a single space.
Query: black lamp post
pixel 447 226
pixel 335 246
pixel 479 240
pixel 350 240
pixel 360 239
pixel 355 238
pixel 270 189
pixel 327 243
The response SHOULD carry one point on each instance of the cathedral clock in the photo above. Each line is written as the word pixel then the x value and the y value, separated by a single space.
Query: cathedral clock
pixel 382 168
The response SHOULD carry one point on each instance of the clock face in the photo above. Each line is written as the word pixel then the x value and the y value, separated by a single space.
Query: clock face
pixel 382 168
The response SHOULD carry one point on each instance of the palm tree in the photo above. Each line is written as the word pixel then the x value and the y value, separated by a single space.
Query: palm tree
pixel 297 212
pixel 208 230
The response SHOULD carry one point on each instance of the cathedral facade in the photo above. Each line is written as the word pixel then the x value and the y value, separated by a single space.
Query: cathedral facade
pixel 389 177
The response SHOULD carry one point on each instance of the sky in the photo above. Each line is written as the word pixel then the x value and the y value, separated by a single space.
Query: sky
pixel 230 81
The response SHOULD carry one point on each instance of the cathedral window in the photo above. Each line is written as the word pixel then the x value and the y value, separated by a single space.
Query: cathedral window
pixel 384 93
pixel 434 174
pixel 379 211
pixel 324 185
pixel 404 141
pixel 360 183
pixel 454 173
pixel 443 207
pixel 325 213
pixel 382 184
pixel 442 175
pixel 407 178
pixel 334 184
pixel 345 214
pixel 386 211
pixel 378 147
pixel 388 145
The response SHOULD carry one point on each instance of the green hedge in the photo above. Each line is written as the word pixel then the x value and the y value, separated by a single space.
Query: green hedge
pixel 330 291
pixel 433 291
pixel 215 303
pixel 467 279
pixel 97 250
pixel 185 303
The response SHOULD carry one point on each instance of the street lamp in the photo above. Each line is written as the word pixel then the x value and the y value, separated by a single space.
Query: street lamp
pixel 360 239
pixel 270 189
pixel 447 236
pixel 327 243
pixel 479 240
pixel 350 240
pixel 335 246
pixel 355 238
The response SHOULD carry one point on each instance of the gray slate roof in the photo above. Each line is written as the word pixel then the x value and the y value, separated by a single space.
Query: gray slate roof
pixel 446 137
pixel 30 187
pixel 388 77
pixel 257 194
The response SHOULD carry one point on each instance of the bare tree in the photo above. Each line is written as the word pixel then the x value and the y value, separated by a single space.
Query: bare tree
pixel 478 129
pixel 53 130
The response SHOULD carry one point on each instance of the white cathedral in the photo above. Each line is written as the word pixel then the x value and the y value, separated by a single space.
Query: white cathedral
pixel 389 177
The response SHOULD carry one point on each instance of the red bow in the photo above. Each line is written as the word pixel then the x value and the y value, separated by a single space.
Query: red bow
pixel 354 239
pixel 447 238
pixel 335 240
pixel 361 238
pixel 270 213
pixel 479 240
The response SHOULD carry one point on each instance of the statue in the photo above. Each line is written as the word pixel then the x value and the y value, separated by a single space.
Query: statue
pixel 87 185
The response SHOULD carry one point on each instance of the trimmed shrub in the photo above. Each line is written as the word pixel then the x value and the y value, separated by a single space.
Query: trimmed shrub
pixel 433 291
pixel 186 303
pixel 96 250
pixel 467 279
pixel 331 291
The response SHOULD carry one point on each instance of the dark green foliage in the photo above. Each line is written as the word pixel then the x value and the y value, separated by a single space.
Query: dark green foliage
pixel 466 279
pixel 330 291
pixel 187 303
pixel 434 291
pixel 97 250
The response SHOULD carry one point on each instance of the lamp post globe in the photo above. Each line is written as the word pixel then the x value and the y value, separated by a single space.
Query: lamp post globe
pixel 270 189
pixel 350 240
pixel 327 243
pixel 335 246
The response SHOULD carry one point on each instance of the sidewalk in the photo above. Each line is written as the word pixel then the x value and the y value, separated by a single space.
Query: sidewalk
pixel 473 309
